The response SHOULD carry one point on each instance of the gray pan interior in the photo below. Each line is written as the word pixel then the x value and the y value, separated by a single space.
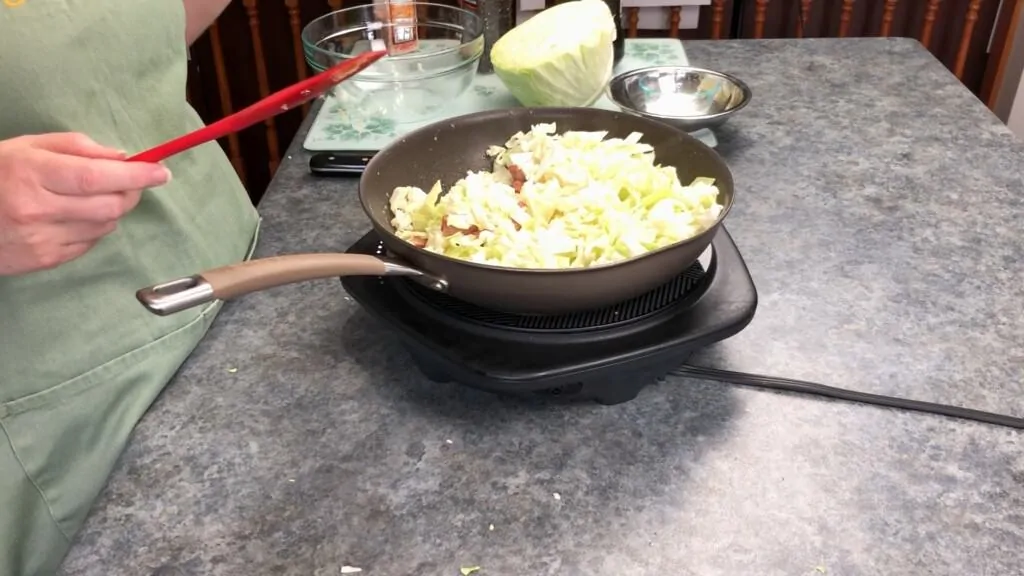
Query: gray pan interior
pixel 446 150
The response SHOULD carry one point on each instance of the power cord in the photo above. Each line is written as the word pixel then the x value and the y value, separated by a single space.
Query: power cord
pixel 804 387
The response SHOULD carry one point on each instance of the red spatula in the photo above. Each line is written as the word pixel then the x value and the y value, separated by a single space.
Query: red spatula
pixel 272 105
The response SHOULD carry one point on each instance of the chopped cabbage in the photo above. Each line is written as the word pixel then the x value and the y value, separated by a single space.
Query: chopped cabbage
pixel 569 200
pixel 563 56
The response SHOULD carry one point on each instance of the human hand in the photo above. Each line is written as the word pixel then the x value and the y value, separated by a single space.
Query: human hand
pixel 60 194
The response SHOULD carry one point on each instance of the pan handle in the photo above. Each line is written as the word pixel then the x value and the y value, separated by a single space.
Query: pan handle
pixel 255 275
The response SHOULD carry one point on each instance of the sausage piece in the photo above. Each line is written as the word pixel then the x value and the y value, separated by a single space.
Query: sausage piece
pixel 449 230
pixel 518 177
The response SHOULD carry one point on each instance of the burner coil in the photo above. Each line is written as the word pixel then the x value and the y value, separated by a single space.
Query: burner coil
pixel 638 308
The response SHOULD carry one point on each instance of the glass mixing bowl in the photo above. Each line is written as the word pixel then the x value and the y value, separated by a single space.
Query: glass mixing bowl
pixel 410 87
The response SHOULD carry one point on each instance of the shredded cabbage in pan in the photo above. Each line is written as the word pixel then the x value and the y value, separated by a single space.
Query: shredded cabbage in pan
pixel 569 200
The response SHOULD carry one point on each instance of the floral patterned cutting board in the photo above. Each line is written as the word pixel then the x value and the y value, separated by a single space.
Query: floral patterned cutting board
pixel 334 131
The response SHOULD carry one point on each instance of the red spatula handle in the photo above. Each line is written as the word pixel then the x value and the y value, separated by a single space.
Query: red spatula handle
pixel 272 105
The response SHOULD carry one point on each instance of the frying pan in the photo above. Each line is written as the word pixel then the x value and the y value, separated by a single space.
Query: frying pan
pixel 446 150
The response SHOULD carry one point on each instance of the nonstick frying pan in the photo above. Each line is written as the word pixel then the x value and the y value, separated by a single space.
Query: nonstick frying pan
pixel 446 150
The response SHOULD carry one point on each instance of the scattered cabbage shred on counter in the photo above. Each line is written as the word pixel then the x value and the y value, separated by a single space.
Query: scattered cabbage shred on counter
pixel 569 200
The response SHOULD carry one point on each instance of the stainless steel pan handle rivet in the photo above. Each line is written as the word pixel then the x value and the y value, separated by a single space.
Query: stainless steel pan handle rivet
pixel 394 268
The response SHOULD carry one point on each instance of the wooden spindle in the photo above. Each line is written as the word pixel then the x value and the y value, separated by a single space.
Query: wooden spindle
pixel 760 10
pixel 633 20
pixel 965 37
pixel 295 21
pixel 887 12
pixel 673 21
pixel 261 79
pixel 929 22
pixel 224 94
pixel 335 5
pixel 844 18
pixel 805 12
pixel 717 10
pixel 423 15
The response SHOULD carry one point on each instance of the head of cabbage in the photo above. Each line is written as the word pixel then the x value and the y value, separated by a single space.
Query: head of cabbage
pixel 563 56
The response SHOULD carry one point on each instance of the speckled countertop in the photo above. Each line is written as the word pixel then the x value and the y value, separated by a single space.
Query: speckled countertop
pixel 879 210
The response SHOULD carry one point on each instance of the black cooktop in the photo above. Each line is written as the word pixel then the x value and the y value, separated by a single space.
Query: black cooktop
pixel 605 355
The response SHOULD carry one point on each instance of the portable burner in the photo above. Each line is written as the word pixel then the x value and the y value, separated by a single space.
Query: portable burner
pixel 606 355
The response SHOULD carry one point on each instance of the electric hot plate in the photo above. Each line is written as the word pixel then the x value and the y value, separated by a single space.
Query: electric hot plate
pixel 605 355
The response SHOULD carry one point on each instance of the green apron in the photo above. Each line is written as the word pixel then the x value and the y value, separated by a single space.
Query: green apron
pixel 80 359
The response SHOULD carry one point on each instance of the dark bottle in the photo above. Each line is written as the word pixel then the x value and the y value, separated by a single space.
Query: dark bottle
pixel 499 17
pixel 619 46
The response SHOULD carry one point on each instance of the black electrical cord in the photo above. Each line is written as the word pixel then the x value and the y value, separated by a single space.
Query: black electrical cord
pixel 804 387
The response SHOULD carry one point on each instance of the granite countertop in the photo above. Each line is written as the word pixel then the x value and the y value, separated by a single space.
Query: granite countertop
pixel 879 209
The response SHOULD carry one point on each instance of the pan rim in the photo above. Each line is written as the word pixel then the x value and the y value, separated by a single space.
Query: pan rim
pixel 528 111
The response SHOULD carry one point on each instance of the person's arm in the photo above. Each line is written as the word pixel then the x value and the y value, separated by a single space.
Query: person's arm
pixel 199 14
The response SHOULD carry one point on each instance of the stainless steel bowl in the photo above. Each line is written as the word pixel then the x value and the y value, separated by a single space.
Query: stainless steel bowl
pixel 683 96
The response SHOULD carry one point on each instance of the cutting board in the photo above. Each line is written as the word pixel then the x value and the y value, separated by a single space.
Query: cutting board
pixel 333 130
